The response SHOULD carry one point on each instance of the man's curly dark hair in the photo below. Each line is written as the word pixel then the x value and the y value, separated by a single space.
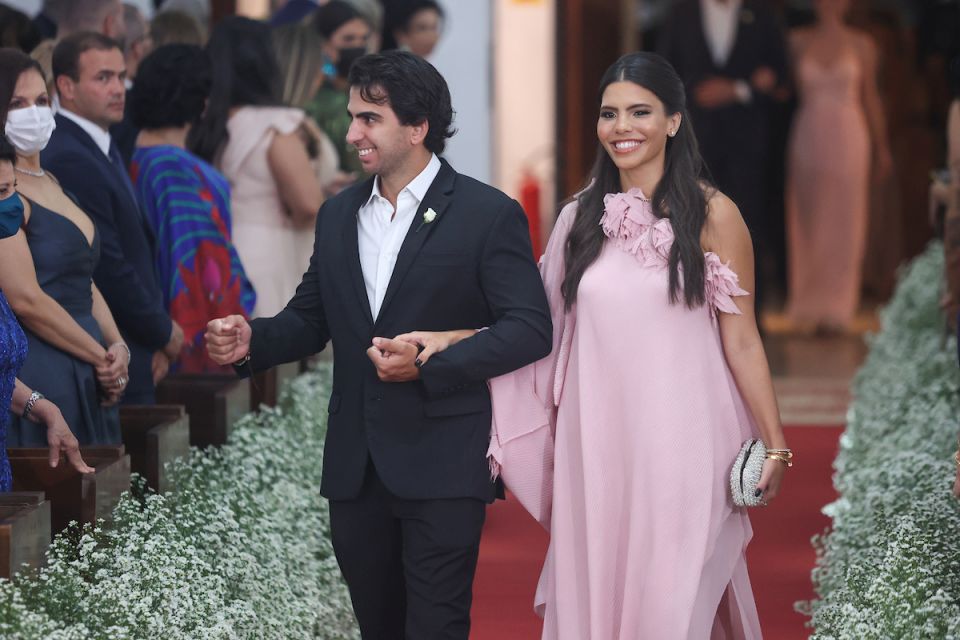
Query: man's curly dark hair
pixel 412 87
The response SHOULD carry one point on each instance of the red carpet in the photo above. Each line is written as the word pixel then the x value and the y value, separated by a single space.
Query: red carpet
pixel 780 556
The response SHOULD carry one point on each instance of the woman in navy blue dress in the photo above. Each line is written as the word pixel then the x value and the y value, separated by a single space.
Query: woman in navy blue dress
pixel 14 395
pixel 76 354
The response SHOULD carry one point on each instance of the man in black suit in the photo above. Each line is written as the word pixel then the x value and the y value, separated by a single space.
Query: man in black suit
pixel 415 247
pixel 89 70
pixel 732 58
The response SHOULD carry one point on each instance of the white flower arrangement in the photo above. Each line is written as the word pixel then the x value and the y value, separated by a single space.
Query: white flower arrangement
pixel 890 566
pixel 240 549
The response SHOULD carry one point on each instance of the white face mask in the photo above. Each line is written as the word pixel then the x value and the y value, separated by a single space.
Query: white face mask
pixel 29 129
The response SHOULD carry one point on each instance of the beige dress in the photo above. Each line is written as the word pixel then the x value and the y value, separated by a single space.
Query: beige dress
pixel 274 251
pixel 828 170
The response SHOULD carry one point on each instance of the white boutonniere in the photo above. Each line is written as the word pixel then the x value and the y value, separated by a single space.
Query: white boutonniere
pixel 428 216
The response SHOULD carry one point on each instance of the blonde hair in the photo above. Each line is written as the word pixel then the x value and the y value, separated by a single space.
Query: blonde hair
pixel 299 55
pixel 176 27
pixel 43 54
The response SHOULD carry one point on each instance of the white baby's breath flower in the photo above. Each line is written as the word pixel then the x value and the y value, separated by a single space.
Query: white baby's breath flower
pixel 239 550
pixel 889 567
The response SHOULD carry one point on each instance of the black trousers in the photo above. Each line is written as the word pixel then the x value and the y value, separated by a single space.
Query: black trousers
pixel 409 564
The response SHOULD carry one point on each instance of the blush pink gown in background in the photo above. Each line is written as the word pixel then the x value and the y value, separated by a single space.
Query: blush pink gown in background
pixel 275 252
pixel 828 172
pixel 621 442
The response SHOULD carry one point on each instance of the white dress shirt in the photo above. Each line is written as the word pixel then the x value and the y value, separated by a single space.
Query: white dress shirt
pixel 381 230
pixel 720 21
pixel 100 136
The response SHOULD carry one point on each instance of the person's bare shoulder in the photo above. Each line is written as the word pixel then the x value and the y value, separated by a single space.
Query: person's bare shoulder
pixel 864 45
pixel 724 222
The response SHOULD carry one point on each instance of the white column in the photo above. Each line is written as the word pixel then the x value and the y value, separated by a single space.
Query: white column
pixel 525 98
pixel 464 57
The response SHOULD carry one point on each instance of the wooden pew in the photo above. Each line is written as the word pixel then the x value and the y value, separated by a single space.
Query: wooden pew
pixel 72 495
pixel 265 387
pixel 213 402
pixel 25 531
pixel 153 436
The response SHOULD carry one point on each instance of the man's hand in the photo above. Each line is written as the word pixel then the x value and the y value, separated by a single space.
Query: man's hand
pixel 173 346
pixel 159 366
pixel 228 339
pixel 394 360
pixel 715 92
pixel 763 80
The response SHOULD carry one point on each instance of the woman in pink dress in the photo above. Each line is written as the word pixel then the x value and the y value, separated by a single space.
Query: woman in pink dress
pixel 259 146
pixel 621 441
pixel 828 168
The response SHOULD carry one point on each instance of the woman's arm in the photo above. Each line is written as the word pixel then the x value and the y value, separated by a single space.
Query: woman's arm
pixel 37 311
pixel 115 368
pixel 297 183
pixel 726 235
pixel 873 107
pixel 59 437
pixel 101 313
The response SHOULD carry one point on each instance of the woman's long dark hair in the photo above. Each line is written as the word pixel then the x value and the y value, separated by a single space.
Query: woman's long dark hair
pixel 679 194
pixel 245 72
pixel 13 63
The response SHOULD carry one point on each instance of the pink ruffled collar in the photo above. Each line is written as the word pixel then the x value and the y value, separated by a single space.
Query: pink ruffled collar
pixel 628 220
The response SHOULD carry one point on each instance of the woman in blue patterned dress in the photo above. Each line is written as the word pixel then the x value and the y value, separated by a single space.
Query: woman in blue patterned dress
pixel 14 395
pixel 186 200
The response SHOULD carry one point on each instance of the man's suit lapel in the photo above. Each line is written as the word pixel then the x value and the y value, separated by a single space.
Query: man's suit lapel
pixel 352 247
pixel 83 138
pixel 438 198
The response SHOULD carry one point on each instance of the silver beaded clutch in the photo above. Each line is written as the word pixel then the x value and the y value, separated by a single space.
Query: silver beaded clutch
pixel 745 474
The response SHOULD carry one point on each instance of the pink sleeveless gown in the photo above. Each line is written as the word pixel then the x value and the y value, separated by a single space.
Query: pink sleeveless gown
pixel 621 442
pixel 828 170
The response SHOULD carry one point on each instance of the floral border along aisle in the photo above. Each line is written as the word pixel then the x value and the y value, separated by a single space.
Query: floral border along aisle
pixel 890 567
pixel 239 550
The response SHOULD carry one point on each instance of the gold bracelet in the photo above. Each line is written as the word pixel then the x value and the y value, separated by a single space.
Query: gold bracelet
pixel 956 458
pixel 780 452
pixel 781 458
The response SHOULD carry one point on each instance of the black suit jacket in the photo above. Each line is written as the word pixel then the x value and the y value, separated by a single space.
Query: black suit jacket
pixel 734 131
pixel 471 267
pixel 126 273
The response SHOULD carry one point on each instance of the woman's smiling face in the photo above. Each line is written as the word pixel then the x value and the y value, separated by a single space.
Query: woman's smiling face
pixel 633 125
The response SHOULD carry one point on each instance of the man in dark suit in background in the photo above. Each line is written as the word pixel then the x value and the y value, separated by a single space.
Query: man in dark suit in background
pixel 89 70
pixel 415 247
pixel 732 57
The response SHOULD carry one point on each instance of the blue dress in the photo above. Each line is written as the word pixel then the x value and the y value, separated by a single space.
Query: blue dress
pixel 13 351
pixel 64 262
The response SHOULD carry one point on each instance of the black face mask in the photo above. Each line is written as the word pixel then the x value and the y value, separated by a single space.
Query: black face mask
pixel 347 56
